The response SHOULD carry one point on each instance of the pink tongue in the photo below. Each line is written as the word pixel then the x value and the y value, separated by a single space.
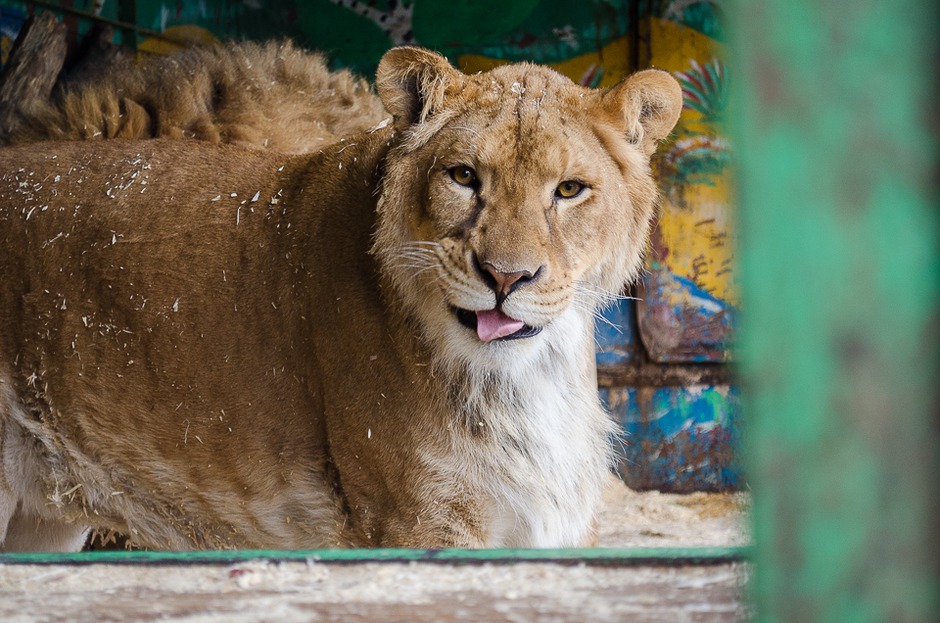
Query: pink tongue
pixel 493 324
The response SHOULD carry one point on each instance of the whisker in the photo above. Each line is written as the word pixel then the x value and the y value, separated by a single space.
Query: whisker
pixel 421 267
pixel 413 274
pixel 426 269
pixel 584 306
pixel 427 259
pixel 417 253
pixel 599 317
pixel 590 289
pixel 418 249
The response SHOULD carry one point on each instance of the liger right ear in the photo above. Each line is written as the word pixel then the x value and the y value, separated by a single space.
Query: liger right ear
pixel 647 104
pixel 411 83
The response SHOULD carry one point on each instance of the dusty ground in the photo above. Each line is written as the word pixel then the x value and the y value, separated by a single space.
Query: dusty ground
pixel 401 592
pixel 652 519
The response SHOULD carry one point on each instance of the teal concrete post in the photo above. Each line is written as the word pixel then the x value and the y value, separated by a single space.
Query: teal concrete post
pixel 835 120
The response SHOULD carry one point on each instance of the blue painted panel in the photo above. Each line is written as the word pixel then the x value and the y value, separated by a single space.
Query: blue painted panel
pixel 615 334
pixel 682 322
pixel 678 439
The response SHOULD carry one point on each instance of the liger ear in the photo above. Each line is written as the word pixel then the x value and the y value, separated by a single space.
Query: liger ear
pixel 648 103
pixel 411 83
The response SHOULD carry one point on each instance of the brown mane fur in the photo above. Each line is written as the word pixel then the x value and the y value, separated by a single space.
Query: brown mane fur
pixel 203 346
pixel 264 96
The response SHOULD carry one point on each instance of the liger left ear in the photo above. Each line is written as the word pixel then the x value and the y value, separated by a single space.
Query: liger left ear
pixel 649 104
pixel 412 81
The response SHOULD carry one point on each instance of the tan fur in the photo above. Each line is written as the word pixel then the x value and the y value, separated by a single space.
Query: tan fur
pixel 264 96
pixel 203 346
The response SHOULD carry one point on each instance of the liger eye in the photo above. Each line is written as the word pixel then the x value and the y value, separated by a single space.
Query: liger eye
pixel 465 176
pixel 569 189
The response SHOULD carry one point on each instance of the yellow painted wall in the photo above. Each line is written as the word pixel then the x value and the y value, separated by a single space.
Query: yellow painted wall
pixel 696 226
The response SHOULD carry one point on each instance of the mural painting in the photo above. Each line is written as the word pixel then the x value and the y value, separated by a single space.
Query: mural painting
pixel 683 437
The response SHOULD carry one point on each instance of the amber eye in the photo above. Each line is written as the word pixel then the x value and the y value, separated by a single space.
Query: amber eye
pixel 465 176
pixel 569 189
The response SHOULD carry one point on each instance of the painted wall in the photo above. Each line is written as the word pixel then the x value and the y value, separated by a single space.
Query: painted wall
pixel 676 437
pixel 687 437
pixel 690 296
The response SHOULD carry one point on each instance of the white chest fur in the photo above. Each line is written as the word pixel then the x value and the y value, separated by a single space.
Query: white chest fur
pixel 544 449
pixel 550 496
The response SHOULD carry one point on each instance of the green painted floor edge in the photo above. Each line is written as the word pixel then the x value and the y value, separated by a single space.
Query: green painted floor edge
pixel 595 556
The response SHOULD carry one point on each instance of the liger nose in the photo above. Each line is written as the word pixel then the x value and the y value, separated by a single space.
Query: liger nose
pixel 504 283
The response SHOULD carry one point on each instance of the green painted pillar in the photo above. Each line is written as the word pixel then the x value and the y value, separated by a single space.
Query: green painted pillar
pixel 835 123
pixel 127 13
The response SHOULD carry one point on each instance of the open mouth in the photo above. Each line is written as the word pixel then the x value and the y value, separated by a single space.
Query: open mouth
pixel 492 325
